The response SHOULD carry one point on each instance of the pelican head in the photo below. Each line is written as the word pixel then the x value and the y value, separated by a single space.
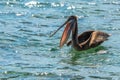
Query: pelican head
pixel 70 23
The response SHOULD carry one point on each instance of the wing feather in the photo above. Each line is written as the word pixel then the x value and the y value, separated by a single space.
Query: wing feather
pixel 97 38
pixel 82 37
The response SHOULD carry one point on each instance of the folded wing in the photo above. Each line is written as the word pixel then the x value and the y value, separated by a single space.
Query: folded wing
pixel 97 37
pixel 89 39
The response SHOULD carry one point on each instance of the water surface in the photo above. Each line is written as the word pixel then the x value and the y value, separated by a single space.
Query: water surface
pixel 28 53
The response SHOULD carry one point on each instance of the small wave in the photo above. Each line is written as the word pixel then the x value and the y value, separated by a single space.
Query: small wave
pixel 32 4
pixel 71 7
pixel 21 13
pixel 57 4
pixel 92 3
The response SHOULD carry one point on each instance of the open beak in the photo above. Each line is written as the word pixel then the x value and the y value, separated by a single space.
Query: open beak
pixel 58 29
pixel 66 32
pixel 69 25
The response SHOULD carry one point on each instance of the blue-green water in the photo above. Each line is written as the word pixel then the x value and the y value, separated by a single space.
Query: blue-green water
pixel 28 53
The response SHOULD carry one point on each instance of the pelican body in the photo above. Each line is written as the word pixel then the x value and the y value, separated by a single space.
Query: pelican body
pixel 84 41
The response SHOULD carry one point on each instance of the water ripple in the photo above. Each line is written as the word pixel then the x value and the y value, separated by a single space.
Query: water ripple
pixel 99 77
pixel 27 51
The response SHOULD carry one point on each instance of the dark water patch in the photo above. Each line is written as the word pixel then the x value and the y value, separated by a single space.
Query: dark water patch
pixel 7 40
pixel 44 25
pixel 25 30
pixel 53 17
pixel 54 49
pixel 68 68
pixel 47 16
pixel 78 77
pixel 26 22
pixel 99 10
pixel 102 78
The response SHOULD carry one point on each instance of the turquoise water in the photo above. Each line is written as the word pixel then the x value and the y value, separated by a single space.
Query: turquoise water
pixel 28 53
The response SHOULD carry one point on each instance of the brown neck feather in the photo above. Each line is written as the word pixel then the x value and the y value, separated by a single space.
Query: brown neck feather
pixel 75 34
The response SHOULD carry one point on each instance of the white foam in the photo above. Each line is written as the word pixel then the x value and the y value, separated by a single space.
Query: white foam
pixel 71 7
pixel 31 4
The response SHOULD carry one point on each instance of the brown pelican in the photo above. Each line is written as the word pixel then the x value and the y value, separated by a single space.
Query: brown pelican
pixel 84 41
